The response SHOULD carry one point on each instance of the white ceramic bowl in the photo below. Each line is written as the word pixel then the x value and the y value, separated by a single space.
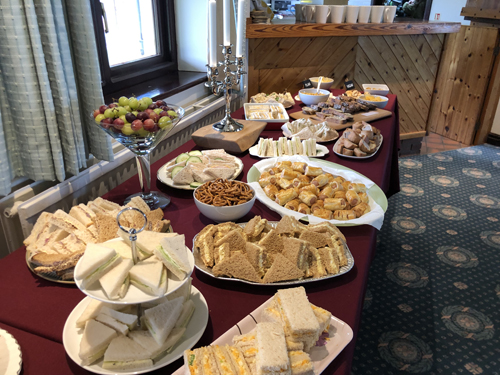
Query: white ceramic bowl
pixel 326 82
pixel 381 104
pixel 374 89
pixel 225 213
pixel 313 99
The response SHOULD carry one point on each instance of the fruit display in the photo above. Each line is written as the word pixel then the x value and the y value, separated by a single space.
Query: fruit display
pixel 135 117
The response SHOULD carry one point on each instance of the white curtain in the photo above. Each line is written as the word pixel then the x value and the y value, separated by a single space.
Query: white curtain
pixel 49 84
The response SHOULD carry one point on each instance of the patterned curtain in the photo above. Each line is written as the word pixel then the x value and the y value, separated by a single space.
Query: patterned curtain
pixel 49 84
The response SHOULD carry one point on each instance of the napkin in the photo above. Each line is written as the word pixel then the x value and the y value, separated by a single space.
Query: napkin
pixel 375 217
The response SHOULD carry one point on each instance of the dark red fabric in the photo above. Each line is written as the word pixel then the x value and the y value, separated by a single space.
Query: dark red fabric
pixel 41 307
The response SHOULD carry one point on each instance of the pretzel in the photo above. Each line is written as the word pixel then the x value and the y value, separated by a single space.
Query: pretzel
pixel 223 192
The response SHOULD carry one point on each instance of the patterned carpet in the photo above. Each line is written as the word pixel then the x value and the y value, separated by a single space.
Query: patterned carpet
pixel 432 304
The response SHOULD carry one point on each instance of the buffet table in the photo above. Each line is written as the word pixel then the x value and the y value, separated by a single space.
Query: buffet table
pixel 34 310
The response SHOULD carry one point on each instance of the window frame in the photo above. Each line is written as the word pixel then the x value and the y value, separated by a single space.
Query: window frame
pixel 127 75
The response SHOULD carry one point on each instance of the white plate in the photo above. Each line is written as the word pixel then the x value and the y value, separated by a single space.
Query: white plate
pixel 320 151
pixel 297 98
pixel 248 106
pixel 135 295
pixel 195 328
pixel 163 176
pixel 198 262
pixel 10 354
pixel 321 356
pixel 358 157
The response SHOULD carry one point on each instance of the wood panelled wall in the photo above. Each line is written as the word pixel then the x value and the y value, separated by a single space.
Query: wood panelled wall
pixel 408 64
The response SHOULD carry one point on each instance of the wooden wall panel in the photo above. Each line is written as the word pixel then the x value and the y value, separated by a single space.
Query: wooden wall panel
pixel 462 82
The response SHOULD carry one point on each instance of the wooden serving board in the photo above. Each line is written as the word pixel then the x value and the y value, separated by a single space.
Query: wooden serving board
pixel 361 116
pixel 236 142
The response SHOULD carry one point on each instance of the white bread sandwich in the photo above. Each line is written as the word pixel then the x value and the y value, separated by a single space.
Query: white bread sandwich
pixel 124 354
pixel 130 320
pixel 149 276
pixel 201 361
pixel 173 253
pixel 92 310
pixel 161 319
pixel 95 340
pixel 83 214
pixel 112 282
pixel 147 341
pixel 112 323
pixel 300 363
pixel 186 314
pixel 324 317
pixel 272 356
pixel 183 177
pixel 238 360
pixel 147 241
pixel 95 263
pixel 71 225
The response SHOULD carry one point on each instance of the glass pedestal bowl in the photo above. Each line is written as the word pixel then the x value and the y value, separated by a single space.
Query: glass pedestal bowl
pixel 142 143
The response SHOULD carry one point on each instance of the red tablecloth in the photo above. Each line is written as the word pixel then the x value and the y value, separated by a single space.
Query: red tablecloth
pixel 38 308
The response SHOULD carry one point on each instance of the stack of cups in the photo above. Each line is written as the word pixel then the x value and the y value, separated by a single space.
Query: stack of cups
pixel 348 13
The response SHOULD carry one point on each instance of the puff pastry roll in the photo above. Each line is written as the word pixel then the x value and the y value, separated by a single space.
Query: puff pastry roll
pixel 263 182
pixel 293 204
pixel 285 196
pixel 307 197
pixel 323 213
pixel 335 204
pixel 289 174
pixel 313 171
pixel 304 209
pixel 339 179
pixel 299 167
pixel 340 194
pixel 318 205
pixel 284 164
pixel 364 197
pixel 311 188
pixel 344 215
pixel 330 176
pixel 265 174
pixel 358 188
pixel 284 183
pixel 327 192
pixel 361 209
pixel 320 180
pixel 298 183
pixel 271 191
pixel 274 171
pixel 337 186
pixel 346 184
pixel 303 178
pixel 352 197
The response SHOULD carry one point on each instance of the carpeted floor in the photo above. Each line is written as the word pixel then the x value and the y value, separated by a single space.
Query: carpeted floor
pixel 432 304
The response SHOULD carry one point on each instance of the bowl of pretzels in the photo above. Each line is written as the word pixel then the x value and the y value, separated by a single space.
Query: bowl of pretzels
pixel 224 200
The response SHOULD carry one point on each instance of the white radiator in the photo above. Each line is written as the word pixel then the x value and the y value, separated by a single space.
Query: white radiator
pixel 30 201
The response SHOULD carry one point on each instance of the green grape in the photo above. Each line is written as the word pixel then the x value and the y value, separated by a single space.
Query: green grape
pixel 147 100
pixel 108 113
pixel 123 101
pixel 124 119
pixel 164 122
pixel 116 112
pixel 142 105
pixel 143 132
pixel 157 110
pixel 127 108
pixel 127 129
pixel 172 113
pixel 133 103
pixel 99 118
pixel 135 113
pixel 121 111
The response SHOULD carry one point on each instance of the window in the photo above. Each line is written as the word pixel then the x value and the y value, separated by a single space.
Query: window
pixel 135 41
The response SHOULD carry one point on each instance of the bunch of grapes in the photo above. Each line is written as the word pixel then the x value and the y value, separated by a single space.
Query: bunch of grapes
pixel 135 116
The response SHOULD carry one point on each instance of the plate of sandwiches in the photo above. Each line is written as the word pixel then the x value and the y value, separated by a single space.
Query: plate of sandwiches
pixel 11 360
pixel 272 253
pixel 190 170
pixel 261 344
pixel 58 240
pixel 105 339
pixel 165 264
pixel 268 148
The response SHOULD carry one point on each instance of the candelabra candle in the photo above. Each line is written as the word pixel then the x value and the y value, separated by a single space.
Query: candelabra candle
pixel 228 80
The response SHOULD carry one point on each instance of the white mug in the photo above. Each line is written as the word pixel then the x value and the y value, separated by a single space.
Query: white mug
pixel 299 16
pixel 322 13
pixel 352 14
pixel 377 13
pixel 389 14
pixel 308 13
pixel 337 14
pixel 364 13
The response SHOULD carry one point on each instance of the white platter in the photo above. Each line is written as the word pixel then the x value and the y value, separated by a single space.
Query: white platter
pixel 358 157
pixel 10 354
pixel 198 262
pixel 135 295
pixel 340 335
pixel 163 176
pixel 248 106
pixel 320 151
pixel 195 328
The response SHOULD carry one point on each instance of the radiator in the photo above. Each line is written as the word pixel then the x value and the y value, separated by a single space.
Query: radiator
pixel 30 201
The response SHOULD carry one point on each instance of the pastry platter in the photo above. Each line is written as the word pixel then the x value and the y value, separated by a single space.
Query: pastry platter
pixel 10 354
pixel 340 335
pixel 358 157
pixel 198 262
pixel 162 175
pixel 195 328
pixel 320 151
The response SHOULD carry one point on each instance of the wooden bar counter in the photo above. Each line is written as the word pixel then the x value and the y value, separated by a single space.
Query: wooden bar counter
pixel 403 55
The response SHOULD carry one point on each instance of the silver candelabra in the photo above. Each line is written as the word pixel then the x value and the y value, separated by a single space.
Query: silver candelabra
pixel 231 78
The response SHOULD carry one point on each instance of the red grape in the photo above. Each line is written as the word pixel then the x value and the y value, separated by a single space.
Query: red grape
pixel 102 108
pixel 118 123
pixel 149 124
pixel 163 113
pixel 160 103
pixel 96 113
pixel 113 105
pixel 130 117
pixel 136 125
pixel 152 106
pixel 142 116
pixel 149 111
pixel 153 116
pixel 106 123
